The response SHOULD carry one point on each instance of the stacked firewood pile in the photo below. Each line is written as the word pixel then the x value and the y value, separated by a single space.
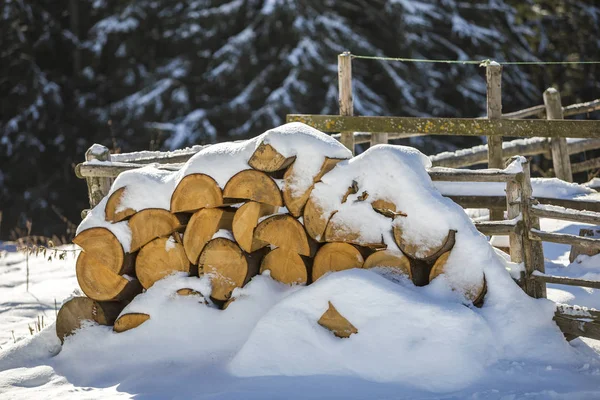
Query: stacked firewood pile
pixel 257 222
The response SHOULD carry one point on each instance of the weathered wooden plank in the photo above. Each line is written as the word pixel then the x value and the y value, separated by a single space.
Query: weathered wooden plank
pixel 513 211
pixel 566 214
pixel 496 202
pixel 578 326
pixel 462 175
pixel 98 186
pixel 589 205
pixel 345 95
pixel 564 238
pixel 566 281
pixel 571 311
pixel 493 73
pixel 113 169
pixel 594 163
pixel 497 227
pixel 452 126
pixel 582 108
pixel 560 154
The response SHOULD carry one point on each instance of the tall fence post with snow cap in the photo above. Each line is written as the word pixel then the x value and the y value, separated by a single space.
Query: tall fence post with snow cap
pixel 97 187
pixel 345 95
pixel 514 194
pixel 560 152
pixel 493 75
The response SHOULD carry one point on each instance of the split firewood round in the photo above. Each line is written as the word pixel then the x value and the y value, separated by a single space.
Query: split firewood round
pixel 201 228
pixel 419 252
pixel 315 220
pixel 153 223
pixel 336 232
pixel 265 158
pixel 286 266
pixel 336 323
pixel 159 258
pixel 334 257
pixel 103 245
pixel 227 266
pixel 101 283
pixel 113 203
pixel 79 309
pixel 196 191
pixel 389 259
pixel 244 222
pixel 129 321
pixel 253 185
pixel 283 231
pixel 294 200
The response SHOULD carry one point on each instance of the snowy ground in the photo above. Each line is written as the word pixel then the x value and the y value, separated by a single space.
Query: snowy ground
pixel 27 369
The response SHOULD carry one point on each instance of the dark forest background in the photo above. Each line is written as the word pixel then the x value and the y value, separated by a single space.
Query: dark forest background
pixel 163 74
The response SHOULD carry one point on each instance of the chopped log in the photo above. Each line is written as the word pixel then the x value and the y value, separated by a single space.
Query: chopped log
pixel 113 202
pixel 390 259
pixel 227 266
pixel 103 245
pixel 283 231
pixel 286 266
pixel 315 221
pixel 194 192
pixel 153 223
pixel 336 323
pixel 387 209
pixel 245 220
pixel 101 283
pixel 79 309
pixel 294 201
pixel 267 159
pixel 129 321
pixel 475 294
pixel 352 189
pixel 338 232
pixel 253 185
pixel 159 258
pixel 188 292
pixel 336 257
pixel 201 228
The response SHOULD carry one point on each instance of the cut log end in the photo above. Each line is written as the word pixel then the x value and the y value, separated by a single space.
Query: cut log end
pixel 226 265
pixel 474 294
pixel 113 203
pixel 159 258
pixel 201 228
pixel 79 309
pixel 254 186
pixel 150 224
pixel 334 257
pixel 336 232
pixel 196 191
pixel 315 220
pixel 129 321
pixel 283 231
pixel 101 283
pixel 104 246
pixel 286 267
pixel 417 252
pixel 393 260
pixel 267 159
pixel 336 323
pixel 245 221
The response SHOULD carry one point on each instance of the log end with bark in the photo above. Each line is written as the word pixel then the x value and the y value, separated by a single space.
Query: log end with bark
pixel 283 231
pixel 286 266
pixel 159 258
pixel 334 257
pixel 103 245
pixel 196 191
pixel 113 204
pixel 315 220
pixel 79 309
pixel 393 260
pixel 245 221
pixel 201 228
pixel 153 223
pixel 129 321
pixel 253 185
pixel 267 159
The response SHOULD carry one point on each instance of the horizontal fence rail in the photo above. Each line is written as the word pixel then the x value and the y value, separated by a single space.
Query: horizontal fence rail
pixel 453 126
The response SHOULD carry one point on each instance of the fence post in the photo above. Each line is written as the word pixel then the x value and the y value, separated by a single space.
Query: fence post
pixel 560 153
pixel 514 195
pixel 534 252
pixel 97 187
pixel 345 95
pixel 493 75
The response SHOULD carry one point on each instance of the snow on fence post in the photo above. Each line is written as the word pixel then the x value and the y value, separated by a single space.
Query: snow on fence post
pixel 493 75
pixel 534 252
pixel 345 95
pixel 97 187
pixel 560 153
pixel 514 195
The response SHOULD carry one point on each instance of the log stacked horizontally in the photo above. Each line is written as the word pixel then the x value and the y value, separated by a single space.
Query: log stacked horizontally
pixel 255 222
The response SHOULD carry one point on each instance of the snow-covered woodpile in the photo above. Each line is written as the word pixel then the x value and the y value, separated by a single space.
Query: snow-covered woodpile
pixel 292 202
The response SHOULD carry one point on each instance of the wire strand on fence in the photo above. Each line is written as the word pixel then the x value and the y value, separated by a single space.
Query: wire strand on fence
pixel 481 63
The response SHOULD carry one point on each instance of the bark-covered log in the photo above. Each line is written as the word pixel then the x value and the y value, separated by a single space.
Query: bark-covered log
pixel 194 192
pixel 79 309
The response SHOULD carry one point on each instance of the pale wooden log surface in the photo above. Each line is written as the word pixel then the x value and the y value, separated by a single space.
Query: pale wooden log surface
pixel 562 280
pixel 497 227
pixel 513 210
pixel 560 154
pixel 458 175
pixel 345 95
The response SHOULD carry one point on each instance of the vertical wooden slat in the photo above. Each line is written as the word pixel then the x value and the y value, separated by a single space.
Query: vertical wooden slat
pixel 513 207
pixel 494 111
pixel 97 187
pixel 534 252
pixel 379 138
pixel 560 153
pixel 345 95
